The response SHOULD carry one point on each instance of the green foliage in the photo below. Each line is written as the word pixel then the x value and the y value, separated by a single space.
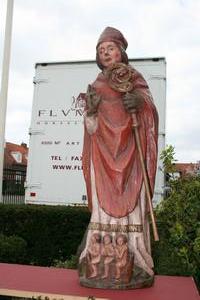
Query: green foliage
pixel 70 263
pixel 50 232
pixel 178 216
pixel 12 249
pixel 168 158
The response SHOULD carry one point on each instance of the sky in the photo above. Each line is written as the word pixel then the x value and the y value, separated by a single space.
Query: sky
pixel 67 30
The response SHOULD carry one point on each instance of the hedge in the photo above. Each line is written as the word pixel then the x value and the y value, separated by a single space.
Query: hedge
pixel 47 233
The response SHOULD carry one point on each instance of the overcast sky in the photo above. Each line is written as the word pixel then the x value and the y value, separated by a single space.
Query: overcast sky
pixel 64 30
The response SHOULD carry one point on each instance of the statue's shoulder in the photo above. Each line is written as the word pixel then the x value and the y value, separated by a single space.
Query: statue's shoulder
pixel 99 80
pixel 138 78
pixel 135 72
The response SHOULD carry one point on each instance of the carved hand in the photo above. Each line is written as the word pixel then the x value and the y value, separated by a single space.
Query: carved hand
pixel 93 101
pixel 133 101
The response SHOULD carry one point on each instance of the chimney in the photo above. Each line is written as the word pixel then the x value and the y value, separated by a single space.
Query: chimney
pixel 24 145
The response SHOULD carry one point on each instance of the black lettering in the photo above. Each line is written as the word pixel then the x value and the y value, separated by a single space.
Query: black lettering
pixel 51 113
pixel 65 113
pixel 55 167
pixel 62 167
pixel 79 112
pixel 41 112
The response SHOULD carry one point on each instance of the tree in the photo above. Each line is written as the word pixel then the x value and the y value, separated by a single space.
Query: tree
pixel 178 218
pixel 168 157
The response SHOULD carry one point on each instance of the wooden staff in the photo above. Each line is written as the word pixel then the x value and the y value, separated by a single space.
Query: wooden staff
pixel 144 173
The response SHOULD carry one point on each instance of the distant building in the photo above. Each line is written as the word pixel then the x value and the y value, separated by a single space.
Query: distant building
pixel 185 169
pixel 15 156
pixel 180 170
pixel 14 174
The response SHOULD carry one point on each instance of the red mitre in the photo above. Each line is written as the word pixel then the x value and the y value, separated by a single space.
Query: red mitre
pixel 111 34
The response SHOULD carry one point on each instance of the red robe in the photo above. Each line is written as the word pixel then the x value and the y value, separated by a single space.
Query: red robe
pixel 113 150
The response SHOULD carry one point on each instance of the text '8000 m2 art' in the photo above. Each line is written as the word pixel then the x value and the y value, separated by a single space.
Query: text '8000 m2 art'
pixel 119 165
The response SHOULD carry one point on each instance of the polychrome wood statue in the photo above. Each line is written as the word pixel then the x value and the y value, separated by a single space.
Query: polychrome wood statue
pixel 119 165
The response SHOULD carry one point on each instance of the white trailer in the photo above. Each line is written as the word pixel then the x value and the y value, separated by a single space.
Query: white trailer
pixel 54 172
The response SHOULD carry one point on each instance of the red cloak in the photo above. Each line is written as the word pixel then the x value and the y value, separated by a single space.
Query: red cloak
pixel 113 150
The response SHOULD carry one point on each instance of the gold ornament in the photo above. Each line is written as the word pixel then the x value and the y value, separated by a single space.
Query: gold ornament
pixel 119 77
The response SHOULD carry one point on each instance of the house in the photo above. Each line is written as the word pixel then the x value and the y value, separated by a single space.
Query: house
pixel 15 156
pixel 14 173
pixel 185 169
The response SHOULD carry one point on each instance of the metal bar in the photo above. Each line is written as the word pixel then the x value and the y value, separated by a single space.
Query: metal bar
pixel 14 191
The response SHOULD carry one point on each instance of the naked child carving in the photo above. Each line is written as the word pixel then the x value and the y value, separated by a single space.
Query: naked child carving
pixel 119 165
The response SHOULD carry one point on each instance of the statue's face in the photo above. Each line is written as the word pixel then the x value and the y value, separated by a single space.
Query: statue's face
pixel 107 239
pixel 109 53
pixel 120 241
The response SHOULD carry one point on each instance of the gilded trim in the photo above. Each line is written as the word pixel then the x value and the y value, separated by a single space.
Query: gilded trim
pixel 115 227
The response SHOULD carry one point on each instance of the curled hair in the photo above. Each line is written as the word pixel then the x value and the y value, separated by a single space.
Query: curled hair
pixel 124 57
pixel 107 235
pixel 97 237
pixel 123 236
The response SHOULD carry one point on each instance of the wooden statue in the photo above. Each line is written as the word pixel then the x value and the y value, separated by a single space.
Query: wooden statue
pixel 119 165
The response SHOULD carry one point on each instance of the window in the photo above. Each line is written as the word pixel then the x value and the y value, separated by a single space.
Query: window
pixel 17 156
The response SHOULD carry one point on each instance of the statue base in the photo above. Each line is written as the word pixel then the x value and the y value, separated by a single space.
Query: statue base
pixel 131 279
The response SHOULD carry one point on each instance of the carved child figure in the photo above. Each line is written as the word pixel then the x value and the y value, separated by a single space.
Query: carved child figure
pixel 121 252
pixel 94 254
pixel 108 252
